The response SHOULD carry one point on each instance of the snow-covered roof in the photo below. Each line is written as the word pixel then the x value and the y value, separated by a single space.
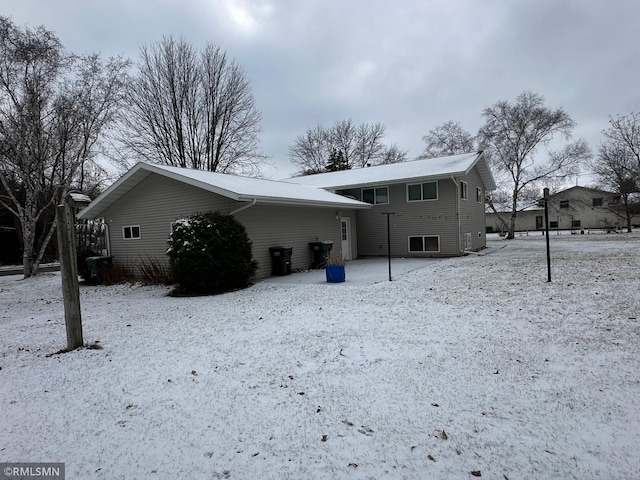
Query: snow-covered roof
pixel 80 197
pixel 431 168
pixel 241 189
pixel 578 188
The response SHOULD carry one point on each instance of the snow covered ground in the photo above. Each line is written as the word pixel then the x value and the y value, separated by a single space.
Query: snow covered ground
pixel 464 365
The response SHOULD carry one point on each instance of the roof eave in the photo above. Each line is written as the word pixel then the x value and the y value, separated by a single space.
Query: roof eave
pixel 303 203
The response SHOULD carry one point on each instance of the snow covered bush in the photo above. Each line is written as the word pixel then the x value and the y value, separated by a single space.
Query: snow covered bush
pixel 210 253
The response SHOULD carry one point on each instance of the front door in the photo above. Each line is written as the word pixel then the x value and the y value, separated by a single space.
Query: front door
pixel 345 236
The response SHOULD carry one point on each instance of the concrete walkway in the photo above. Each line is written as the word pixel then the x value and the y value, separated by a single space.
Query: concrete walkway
pixel 360 272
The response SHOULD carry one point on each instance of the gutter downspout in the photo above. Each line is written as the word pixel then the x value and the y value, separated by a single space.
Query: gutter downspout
pixel 107 237
pixel 460 251
pixel 244 207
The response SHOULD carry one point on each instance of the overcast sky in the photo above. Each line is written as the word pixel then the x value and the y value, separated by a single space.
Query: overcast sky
pixel 410 65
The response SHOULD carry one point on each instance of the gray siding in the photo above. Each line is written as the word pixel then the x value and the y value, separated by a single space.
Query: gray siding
pixel 472 216
pixel 158 201
pixel 275 225
pixel 425 218
pixel 154 204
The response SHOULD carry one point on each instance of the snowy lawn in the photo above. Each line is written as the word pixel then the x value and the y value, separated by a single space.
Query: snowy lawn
pixel 471 364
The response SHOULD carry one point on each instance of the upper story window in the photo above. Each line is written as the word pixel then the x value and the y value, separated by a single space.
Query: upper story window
pixel 564 203
pixel 464 191
pixel 422 191
pixel 478 195
pixel 597 202
pixel 376 196
pixel 131 232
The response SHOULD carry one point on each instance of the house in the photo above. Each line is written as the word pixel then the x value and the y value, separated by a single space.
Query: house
pixel 140 208
pixel 576 208
pixel 437 205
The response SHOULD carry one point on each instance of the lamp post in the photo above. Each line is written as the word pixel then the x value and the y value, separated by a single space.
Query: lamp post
pixel 389 240
pixel 546 231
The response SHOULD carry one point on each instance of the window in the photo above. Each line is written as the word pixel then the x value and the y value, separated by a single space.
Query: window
pixel 615 200
pixel 131 232
pixel 422 191
pixel 479 234
pixel 597 202
pixel 553 224
pixel 424 244
pixel 564 203
pixel 575 223
pixel 375 196
pixel 464 191
pixel 478 195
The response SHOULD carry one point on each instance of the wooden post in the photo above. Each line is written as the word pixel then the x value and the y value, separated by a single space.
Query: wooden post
pixel 69 273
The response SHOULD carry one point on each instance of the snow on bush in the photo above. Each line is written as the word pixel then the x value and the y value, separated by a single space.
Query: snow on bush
pixel 210 253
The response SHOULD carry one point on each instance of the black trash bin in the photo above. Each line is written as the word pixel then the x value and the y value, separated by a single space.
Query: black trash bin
pixel 281 260
pixel 96 265
pixel 320 253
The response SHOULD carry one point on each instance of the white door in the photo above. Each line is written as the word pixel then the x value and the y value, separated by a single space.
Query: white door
pixel 345 236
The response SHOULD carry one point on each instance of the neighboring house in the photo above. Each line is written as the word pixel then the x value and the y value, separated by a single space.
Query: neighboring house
pixel 576 208
pixel 437 205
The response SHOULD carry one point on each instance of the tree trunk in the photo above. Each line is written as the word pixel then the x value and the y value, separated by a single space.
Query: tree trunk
pixel 627 212
pixel 28 240
pixel 512 227
pixel 43 247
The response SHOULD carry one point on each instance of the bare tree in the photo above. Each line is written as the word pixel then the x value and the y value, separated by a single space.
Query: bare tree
pixel 448 139
pixel 511 136
pixel 358 146
pixel 368 147
pixel 624 134
pixel 615 167
pixel 312 150
pixel 192 109
pixel 393 154
pixel 53 107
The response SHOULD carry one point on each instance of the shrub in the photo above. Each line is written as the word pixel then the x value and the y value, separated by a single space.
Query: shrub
pixel 210 253
pixel 154 272
pixel 115 275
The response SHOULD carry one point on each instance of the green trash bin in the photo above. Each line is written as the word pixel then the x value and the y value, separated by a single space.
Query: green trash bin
pixel 96 265
pixel 281 260
pixel 320 252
